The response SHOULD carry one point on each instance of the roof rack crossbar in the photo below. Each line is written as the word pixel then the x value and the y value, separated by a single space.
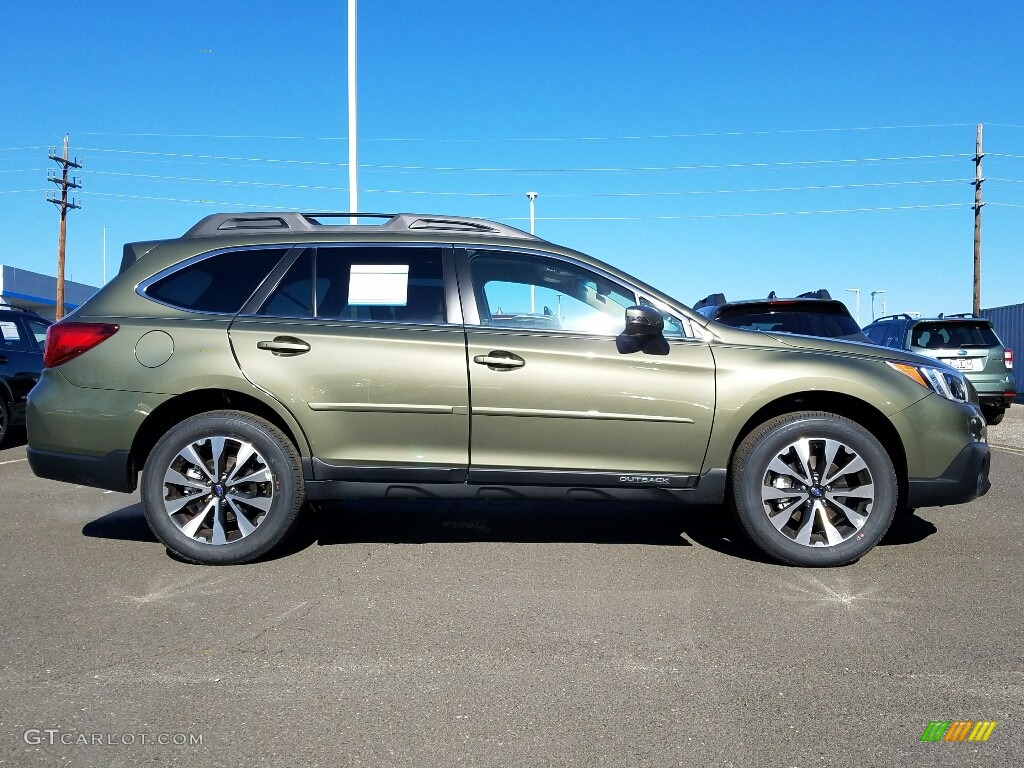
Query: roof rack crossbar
pixel 295 221
pixel 901 316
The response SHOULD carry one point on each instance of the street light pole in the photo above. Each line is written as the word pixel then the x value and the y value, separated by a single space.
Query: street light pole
pixel 532 196
pixel 353 182
pixel 873 294
pixel 856 291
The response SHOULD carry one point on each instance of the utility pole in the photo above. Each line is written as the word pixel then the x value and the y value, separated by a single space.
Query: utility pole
pixel 978 180
pixel 63 206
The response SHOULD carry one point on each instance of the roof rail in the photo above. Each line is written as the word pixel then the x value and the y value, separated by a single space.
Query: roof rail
pixel 711 300
pixel 962 314
pixel 821 293
pixel 293 221
pixel 901 316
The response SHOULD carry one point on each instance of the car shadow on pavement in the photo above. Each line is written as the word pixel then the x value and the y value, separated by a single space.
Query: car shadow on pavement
pixel 126 524
pixel 15 438
pixel 601 522
pixel 907 529
pixel 435 521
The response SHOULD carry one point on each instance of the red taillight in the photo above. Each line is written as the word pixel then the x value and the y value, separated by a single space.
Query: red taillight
pixel 66 341
pixel 1008 358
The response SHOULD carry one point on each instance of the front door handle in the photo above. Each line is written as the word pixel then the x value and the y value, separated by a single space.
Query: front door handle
pixel 3 359
pixel 499 359
pixel 284 346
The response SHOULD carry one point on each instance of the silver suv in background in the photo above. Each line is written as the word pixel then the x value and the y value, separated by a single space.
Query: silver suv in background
pixel 964 341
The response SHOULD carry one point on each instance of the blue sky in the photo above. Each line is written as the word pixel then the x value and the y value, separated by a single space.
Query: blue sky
pixel 696 145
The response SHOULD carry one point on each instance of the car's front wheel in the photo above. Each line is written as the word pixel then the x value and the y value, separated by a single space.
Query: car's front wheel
pixel 813 489
pixel 222 487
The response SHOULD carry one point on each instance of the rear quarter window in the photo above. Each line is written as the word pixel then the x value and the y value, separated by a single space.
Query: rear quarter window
pixel 220 283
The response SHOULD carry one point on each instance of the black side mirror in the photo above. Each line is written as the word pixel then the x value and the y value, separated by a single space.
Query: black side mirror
pixel 644 321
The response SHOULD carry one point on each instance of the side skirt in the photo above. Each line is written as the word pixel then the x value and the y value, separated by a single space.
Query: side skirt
pixel 707 489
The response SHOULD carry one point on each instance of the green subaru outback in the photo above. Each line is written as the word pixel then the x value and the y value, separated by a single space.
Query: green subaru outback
pixel 262 360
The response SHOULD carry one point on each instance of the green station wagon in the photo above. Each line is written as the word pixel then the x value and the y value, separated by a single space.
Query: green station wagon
pixel 266 359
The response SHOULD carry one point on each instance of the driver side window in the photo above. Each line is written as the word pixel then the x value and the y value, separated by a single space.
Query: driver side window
pixel 519 290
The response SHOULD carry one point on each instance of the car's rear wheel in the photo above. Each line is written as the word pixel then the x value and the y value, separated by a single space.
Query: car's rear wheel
pixel 222 487
pixel 813 489
pixel 993 415
pixel 5 419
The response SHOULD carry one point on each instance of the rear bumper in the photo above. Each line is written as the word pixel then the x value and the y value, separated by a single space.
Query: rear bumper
pixel 1001 398
pixel 965 480
pixel 113 472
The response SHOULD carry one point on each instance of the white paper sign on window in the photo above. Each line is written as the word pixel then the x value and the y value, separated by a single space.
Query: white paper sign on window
pixel 378 284
pixel 9 331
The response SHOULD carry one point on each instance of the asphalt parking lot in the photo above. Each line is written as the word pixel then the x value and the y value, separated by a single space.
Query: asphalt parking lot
pixel 436 634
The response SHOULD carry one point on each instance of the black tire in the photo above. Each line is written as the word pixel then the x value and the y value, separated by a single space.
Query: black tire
pixel 5 419
pixel 992 415
pixel 835 518
pixel 232 515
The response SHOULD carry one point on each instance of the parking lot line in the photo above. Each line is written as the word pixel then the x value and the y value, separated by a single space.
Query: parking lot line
pixel 1008 449
pixel 12 461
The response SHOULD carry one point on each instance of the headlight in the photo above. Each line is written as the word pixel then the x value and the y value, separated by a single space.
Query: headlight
pixel 942 381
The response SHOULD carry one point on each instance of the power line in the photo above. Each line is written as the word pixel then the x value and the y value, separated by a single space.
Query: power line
pixel 255 206
pixel 462 169
pixel 638 137
pixel 816 187
pixel 745 215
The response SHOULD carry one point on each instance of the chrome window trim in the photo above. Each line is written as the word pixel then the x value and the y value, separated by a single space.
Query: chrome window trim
pixel 142 286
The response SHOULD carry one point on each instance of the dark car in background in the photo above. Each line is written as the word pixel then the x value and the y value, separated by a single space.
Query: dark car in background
pixel 964 341
pixel 814 313
pixel 22 335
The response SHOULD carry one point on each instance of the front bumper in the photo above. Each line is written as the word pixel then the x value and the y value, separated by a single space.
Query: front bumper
pixel 964 480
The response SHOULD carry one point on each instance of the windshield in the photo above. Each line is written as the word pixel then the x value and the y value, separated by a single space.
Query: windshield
pixel 824 320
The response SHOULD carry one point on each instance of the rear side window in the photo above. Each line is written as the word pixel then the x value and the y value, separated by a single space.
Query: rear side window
pixel 385 284
pixel 953 335
pixel 220 283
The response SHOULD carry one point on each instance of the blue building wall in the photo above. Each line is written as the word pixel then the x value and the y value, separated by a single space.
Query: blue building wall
pixel 1009 324
pixel 38 292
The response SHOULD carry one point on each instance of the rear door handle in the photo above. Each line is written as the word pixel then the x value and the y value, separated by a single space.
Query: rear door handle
pixel 3 359
pixel 284 346
pixel 500 359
